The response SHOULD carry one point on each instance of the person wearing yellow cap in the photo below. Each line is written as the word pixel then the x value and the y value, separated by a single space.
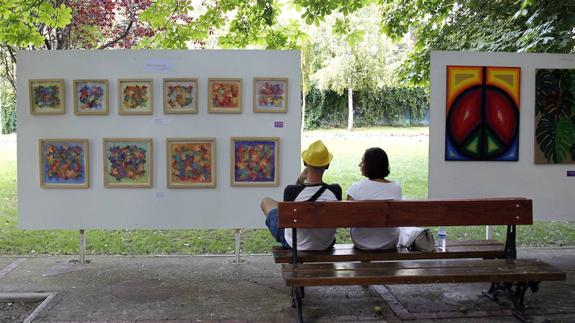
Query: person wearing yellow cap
pixel 309 186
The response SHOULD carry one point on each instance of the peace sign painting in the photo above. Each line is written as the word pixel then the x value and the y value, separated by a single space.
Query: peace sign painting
pixel 482 119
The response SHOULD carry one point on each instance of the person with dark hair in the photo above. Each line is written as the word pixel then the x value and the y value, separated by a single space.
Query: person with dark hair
pixel 375 166
pixel 309 187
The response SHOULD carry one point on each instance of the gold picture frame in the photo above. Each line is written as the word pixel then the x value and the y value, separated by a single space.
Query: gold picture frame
pixel 47 96
pixel 135 96
pixel 254 161
pixel 270 95
pixel 191 162
pixel 128 162
pixel 180 95
pixel 64 163
pixel 225 95
pixel 91 97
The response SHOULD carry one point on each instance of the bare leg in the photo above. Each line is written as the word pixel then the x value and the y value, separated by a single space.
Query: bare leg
pixel 268 204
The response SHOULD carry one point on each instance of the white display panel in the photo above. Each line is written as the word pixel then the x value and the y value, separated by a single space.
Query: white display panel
pixel 552 191
pixel 159 206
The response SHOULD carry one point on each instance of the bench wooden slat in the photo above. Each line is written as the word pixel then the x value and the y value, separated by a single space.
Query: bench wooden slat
pixel 395 213
pixel 445 263
pixel 497 270
pixel 347 252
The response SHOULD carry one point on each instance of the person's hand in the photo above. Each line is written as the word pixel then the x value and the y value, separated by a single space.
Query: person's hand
pixel 302 177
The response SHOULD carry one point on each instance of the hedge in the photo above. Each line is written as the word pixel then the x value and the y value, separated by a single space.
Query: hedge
pixel 387 106
pixel 8 109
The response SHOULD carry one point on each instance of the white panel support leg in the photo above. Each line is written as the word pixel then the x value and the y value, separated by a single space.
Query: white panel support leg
pixel 238 245
pixel 82 247
pixel 488 232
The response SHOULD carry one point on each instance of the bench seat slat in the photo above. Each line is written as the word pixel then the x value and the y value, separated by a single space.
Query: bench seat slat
pixel 431 272
pixel 415 264
pixel 346 252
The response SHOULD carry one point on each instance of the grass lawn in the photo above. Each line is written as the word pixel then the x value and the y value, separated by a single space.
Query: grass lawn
pixel 406 147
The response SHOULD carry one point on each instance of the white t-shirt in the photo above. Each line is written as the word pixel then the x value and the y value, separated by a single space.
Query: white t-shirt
pixel 311 239
pixel 375 238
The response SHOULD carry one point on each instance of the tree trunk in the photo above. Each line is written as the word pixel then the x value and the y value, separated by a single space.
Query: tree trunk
pixel 302 112
pixel 350 109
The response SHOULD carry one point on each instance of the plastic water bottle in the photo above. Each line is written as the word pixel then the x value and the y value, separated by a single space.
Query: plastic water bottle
pixel 442 239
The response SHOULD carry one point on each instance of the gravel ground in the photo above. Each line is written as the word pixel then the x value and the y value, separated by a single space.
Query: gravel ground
pixel 16 311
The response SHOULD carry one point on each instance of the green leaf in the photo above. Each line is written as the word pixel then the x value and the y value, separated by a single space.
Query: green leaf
pixel 63 16
pixel 354 38
pixel 565 138
pixel 545 137
pixel 555 137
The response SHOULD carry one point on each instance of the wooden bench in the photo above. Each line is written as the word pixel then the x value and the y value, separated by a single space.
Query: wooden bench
pixel 339 266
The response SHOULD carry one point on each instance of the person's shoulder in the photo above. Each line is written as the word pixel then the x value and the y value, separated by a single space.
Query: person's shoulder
pixel 294 188
pixel 292 191
pixel 358 184
pixel 336 190
pixel 395 183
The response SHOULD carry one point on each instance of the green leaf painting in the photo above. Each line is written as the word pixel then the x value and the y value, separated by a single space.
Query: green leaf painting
pixel 555 116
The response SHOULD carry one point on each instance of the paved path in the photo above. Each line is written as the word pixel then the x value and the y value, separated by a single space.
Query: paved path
pixel 214 289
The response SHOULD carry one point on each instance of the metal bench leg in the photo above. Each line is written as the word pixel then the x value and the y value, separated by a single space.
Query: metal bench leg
pixel 517 295
pixel 518 298
pixel 296 301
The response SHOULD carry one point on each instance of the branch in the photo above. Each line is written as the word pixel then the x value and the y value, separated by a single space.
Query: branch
pixel 9 65
pixel 11 51
pixel 120 37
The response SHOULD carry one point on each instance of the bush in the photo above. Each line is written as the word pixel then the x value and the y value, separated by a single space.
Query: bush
pixel 387 106
pixel 8 109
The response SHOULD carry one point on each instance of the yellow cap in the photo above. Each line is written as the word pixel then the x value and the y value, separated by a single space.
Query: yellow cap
pixel 317 155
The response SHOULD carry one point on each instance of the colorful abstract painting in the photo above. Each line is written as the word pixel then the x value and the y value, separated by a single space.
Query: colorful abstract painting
pixel 255 161
pixel 135 97
pixel 482 119
pixel 191 162
pixel 180 96
pixel 64 163
pixel 47 96
pixel 224 95
pixel 555 116
pixel 270 94
pixel 91 97
pixel 128 162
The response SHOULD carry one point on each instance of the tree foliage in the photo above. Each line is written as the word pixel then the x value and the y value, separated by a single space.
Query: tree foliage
pixel 349 52
pixel 503 25
pixel 68 24
pixel 478 25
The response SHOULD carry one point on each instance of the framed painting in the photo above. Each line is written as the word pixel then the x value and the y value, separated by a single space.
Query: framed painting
pixel 224 95
pixel 64 163
pixel 91 97
pixel 135 96
pixel 482 113
pixel 181 96
pixel 270 95
pixel 47 96
pixel 554 116
pixel 255 161
pixel 128 162
pixel 191 162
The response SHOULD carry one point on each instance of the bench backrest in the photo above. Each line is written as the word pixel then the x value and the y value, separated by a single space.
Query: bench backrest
pixel 402 213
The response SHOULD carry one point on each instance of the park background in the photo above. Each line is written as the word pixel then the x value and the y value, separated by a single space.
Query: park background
pixel 364 64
